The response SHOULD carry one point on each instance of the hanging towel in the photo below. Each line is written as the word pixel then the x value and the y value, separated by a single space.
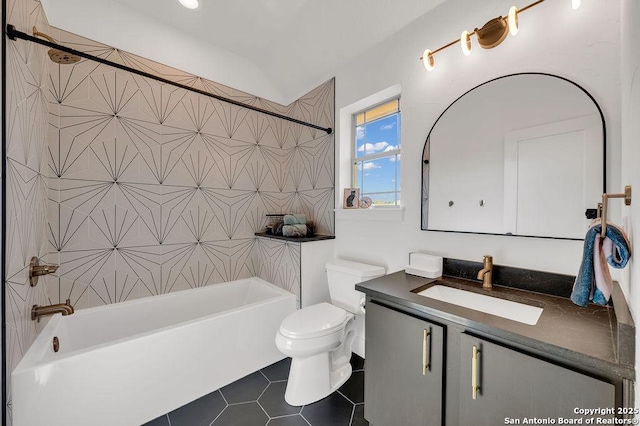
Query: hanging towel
pixel 294 230
pixel 295 219
pixel 593 281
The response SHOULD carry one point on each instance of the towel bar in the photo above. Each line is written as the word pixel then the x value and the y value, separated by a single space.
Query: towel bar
pixel 605 201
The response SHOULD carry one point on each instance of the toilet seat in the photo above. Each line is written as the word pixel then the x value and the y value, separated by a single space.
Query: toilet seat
pixel 314 321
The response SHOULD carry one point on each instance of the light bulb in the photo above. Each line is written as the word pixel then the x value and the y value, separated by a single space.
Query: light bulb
pixel 465 43
pixel 513 20
pixel 428 60
pixel 189 4
pixel 575 4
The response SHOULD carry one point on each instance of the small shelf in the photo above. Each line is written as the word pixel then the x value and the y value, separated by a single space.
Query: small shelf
pixel 295 239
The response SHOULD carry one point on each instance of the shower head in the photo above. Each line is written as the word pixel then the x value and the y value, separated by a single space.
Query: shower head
pixel 57 56
pixel 64 58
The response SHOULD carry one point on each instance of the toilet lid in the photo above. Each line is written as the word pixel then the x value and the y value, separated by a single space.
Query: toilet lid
pixel 314 321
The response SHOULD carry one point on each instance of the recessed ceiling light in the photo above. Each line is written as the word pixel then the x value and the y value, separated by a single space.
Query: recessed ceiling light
pixel 189 4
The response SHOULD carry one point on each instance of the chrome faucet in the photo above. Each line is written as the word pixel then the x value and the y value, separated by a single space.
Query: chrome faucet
pixel 485 274
pixel 36 270
pixel 40 311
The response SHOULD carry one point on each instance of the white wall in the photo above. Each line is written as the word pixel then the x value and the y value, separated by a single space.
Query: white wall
pixel 144 36
pixel 553 38
pixel 630 72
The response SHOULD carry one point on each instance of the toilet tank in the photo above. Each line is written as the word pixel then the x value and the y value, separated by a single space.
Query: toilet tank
pixel 342 276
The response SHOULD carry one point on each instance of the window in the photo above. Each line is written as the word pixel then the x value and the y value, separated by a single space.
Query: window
pixel 376 153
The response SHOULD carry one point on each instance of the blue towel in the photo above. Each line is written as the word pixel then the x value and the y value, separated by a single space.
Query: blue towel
pixel 295 219
pixel 593 281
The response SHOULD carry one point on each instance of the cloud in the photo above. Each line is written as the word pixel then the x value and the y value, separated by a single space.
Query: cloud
pixel 369 165
pixel 390 148
pixel 394 158
pixel 387 126
pixel 373 147
pixel 360 132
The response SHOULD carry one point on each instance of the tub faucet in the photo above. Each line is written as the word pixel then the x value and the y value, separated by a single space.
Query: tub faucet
pixel 485 274
pixel 40 311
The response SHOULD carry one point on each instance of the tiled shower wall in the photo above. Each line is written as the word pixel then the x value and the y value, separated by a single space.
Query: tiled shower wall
pixel 26 178
pixel 138 188
pixel 156 189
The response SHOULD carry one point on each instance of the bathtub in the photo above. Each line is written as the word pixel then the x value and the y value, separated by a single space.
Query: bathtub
pixel 127 363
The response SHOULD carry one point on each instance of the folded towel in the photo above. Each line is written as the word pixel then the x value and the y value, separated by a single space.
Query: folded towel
pixel 294 230
pixel 295 219
pixel 593 281
pixel 277 228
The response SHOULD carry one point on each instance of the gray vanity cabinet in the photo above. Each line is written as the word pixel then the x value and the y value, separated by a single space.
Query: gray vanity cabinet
pixel 514 385
pixel 404 369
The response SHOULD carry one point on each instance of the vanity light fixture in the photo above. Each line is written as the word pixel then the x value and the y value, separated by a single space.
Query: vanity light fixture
pixel 465 42
pixel 489 36
pixel 428 60
pixel 513 20
pixel 189 4
pixel 492 33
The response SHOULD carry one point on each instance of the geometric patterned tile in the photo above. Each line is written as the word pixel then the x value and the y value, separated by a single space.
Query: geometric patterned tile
pixel 353 388
pixel 248 388
pixel 335 410
pixel 272 401
pixel 200 412
pixel 330 411
pixel 278 371
pixel 288 421
pixel 358 416
pixel 246 413
pixel 160 421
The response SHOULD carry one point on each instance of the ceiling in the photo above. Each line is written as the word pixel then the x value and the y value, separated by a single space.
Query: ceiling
pixel 295 44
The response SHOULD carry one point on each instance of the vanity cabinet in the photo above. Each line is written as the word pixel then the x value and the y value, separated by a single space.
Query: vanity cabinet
pixel 513 385
pixel 404 369
pixel 405 381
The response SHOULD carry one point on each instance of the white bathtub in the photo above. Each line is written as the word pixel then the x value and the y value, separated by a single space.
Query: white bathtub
pixel 127 363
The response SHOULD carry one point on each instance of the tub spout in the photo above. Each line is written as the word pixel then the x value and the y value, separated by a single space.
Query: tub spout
pixel 40 311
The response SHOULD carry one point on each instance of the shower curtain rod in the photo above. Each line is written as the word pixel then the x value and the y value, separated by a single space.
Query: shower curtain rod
pixel 13 34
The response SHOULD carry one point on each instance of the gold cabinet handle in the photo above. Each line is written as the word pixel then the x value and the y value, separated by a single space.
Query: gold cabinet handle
pixel 426 356
pixel 474 372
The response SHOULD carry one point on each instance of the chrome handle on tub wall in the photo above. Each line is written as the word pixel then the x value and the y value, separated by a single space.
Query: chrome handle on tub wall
pixel 474 372
pixel 426 351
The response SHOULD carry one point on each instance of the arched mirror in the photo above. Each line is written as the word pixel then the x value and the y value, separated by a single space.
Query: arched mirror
pixel 521 155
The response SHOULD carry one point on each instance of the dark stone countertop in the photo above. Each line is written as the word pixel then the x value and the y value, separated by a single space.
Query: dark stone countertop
pixel 317 237
pixel 593 338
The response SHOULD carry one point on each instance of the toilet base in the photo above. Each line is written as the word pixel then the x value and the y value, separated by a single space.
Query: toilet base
pixel 316 377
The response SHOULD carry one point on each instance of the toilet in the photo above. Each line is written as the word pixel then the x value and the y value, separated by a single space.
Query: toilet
pixel 318 338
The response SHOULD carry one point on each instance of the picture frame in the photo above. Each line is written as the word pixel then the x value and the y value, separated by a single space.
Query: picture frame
pixel 351 199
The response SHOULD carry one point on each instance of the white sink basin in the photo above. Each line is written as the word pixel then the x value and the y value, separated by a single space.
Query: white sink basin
pixel 515 311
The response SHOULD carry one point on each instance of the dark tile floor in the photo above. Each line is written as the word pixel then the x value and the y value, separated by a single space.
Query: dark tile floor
pixel 258 400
